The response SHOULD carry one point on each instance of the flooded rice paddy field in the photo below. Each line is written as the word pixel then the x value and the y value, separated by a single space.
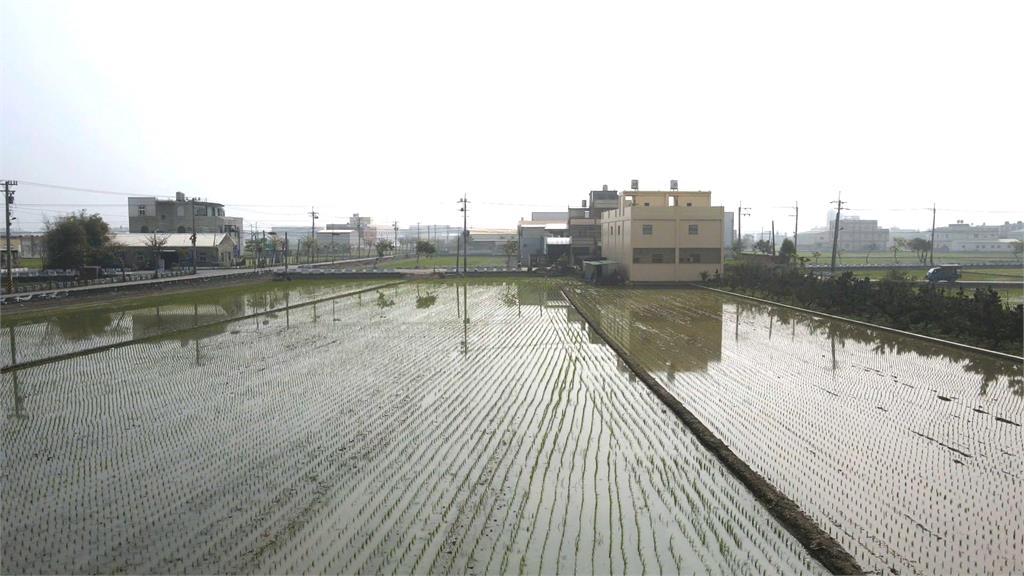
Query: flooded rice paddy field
pixel 422 427
pixel 909 453
pixel 39 335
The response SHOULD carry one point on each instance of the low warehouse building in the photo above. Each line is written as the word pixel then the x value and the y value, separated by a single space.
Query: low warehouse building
pixel 140 251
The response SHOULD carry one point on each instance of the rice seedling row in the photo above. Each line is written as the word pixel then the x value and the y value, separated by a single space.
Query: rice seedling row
pixel 906 453
pixel 369 435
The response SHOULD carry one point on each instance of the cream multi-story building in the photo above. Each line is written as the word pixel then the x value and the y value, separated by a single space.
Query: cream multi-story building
pixel 663 236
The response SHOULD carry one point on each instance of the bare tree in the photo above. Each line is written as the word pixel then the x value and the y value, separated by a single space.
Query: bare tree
pixel 155 242
pixel 511 249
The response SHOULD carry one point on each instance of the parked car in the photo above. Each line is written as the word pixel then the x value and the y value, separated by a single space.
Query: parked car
pixel 943 274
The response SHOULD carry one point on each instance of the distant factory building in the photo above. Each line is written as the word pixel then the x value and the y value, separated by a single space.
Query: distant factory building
pixel 585 224
pixel 533 235
pixel 855 235
pixel 490 241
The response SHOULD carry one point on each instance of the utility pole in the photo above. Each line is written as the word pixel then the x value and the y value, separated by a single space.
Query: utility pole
pixel 359 237
pixel 835 233
pixel 465 236
pixel 773 237
pixel 796 225
pixel 8 200
pixel 193 234
pixel 739 225
pixel 312 232
pixel 285 254
pixel 394 249
pixel 931 249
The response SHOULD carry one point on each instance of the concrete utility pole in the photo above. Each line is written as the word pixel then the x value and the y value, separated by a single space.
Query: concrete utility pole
pixel 8 200
pixel 359 237
pixel 835 233
pixel 931 249
pixel 285 254
pixel 394 248
pixel 796 225
pixel 739 225
pixel 465 236
pixel 773 237
pixel 312 232
pixel 193 234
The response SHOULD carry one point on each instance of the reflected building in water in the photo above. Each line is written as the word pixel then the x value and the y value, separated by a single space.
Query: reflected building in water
pixel 687 341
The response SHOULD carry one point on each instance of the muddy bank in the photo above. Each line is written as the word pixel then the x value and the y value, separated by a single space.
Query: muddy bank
pixel 819 544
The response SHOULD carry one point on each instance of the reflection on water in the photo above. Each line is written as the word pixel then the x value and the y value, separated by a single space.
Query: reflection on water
pixel 906 450
pixel 684 331
pixel 688 340
pixel 989 368
pixel 62 331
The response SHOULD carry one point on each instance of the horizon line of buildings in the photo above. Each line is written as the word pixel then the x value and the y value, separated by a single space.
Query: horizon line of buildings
pixel 600 227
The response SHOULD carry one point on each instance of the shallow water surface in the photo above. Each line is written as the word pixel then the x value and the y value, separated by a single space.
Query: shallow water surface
pixel 906 451
pixel 476 428
pixel 59 331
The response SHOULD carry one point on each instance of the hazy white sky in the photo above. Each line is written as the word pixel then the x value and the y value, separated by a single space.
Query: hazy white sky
pixel 395 109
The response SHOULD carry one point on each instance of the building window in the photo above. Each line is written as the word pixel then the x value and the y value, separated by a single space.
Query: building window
pixel 647 229
pixel 142 210
pixel 181 229
pixel 673 201
pixel 144 229
pixel 653 255
pixel 700 256
pixel 693 229
pixel 689 204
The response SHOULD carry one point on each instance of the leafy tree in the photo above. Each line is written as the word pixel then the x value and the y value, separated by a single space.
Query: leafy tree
pixel 816 255
pixel 119 252
pixel 763 246
pixel 921 247
pixel 787 252
pixel 737 247
pixel 511 249
pixel 424 248
pixel 1018 249
pixel 76 240
pixel 383 247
